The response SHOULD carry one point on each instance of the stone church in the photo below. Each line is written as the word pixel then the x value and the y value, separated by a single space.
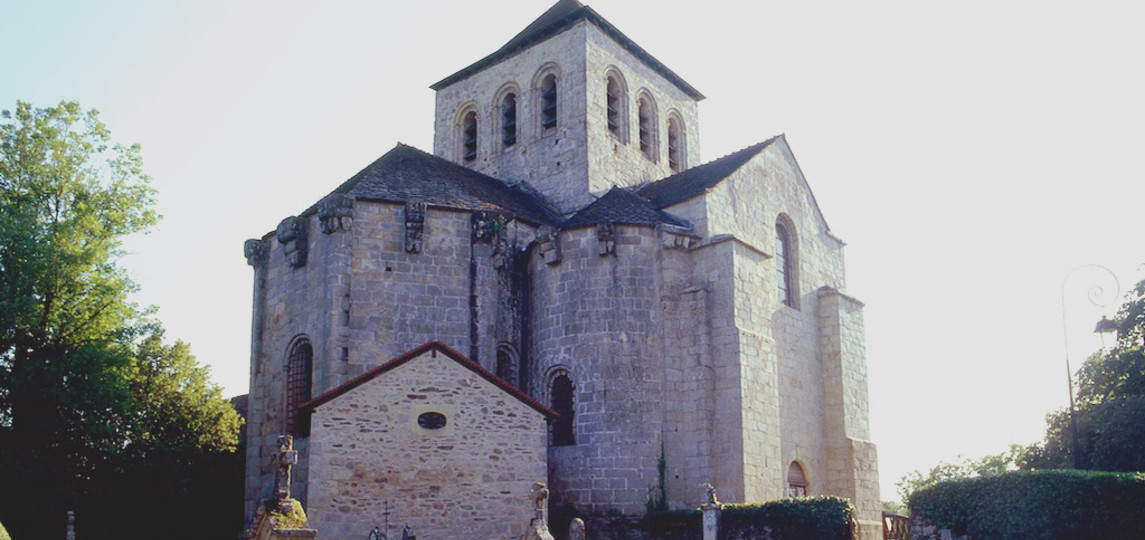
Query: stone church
pixel 566 289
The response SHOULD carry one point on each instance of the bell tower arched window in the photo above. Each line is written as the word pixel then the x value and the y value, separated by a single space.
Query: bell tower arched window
pixel 469 136
pixel 676 143
pixel 549 102
pixel 509 120
pixel 507 363
pixel 616 105
pixel 561 392
pixel 299 371
pixel 646 115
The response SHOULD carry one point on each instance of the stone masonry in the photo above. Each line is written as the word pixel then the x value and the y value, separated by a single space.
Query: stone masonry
pixel 576 265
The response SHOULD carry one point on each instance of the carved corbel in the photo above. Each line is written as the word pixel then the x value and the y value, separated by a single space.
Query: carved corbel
pixel 292 234
pixel 606 239
pixel 549 245
pixel 336 213
pixel 415 224
pixel 255 251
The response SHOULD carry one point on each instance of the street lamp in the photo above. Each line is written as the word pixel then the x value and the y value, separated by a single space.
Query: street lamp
pixel 1098 297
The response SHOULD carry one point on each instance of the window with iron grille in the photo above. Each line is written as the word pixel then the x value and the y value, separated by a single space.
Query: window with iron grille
pixel 549 102
pixel 298 375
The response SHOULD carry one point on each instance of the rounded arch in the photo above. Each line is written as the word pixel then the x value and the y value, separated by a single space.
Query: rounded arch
pixel 546 89
pixel 560 393
pixel 299 384
pixel 647 117
pixel 787 260
pixel 677 142
pixel 506 103
pixel 466 127
pixel 616 103
pixel 508 366
pixel 798 484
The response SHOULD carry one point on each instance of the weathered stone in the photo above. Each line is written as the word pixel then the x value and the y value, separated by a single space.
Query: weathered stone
pixel 255 251
pixel 291 234
pixel 336 212
pixel 415 224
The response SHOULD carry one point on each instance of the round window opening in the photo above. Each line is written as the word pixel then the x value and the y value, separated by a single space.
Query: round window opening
pixel 431 420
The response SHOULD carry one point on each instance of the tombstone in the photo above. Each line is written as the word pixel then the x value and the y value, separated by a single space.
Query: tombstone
pixel 71 534
pixel 576 529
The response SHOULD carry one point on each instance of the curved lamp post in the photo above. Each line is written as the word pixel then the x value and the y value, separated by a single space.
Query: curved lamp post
pixel 1097 296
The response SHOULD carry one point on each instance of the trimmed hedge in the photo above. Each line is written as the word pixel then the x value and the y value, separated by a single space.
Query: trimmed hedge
pixel 804 518
pixel 1038 505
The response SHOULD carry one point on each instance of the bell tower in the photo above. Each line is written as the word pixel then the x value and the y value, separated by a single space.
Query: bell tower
pixel 570 106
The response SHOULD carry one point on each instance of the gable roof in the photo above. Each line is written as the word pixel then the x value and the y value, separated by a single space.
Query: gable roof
pixel 563 15
pixel 433 347
pixel 408 174
pixel 621 206
pixel 692 182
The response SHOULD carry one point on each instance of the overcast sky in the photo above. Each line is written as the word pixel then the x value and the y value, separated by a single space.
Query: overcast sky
pixel 970 153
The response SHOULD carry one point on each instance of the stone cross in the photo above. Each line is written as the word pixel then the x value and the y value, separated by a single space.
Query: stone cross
pixel 287 458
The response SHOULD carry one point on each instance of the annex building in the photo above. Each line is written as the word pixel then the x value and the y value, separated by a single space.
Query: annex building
pixel 562 292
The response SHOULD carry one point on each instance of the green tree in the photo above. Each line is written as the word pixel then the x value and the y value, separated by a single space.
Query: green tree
pixel 68 196
pixel 1110 404
pixel 992 465
pixel 89 395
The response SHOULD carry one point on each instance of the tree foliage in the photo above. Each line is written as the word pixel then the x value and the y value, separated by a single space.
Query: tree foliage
pixel 87 389
pixel 1110 404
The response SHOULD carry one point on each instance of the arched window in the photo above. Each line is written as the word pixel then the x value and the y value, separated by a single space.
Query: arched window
pixel 616 106
pixel 676 154
pixel 786 260
pixel 549 102
pixel 561 392
pixel 469 136
pixel 646 114
pixel 507 363
pixel 796 480
pixel 299 370
pixel 509 120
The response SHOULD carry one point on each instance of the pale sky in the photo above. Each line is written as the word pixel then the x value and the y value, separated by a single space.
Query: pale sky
pixel 970 154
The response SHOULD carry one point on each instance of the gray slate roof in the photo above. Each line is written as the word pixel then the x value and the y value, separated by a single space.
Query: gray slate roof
pixel 407 174
pixel 692 182
pixel 621 207
pixel 564 14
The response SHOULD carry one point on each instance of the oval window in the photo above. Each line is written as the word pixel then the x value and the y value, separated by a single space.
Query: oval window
pixel 431 420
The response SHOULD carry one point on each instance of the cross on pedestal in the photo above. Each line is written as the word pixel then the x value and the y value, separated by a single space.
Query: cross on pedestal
pixel 287 458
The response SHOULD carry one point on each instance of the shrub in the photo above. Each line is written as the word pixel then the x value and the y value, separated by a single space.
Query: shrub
pixel 805 518
pixel 1038 505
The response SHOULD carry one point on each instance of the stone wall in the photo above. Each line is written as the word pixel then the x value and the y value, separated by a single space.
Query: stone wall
pixel 471 478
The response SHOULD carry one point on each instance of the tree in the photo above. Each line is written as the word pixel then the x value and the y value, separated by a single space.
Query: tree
pixel 991 465
pixel 1110 404
pixel 88 392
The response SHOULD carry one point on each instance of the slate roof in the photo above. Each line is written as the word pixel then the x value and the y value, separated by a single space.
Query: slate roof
pixel 692 182
pixel 434 347
pixel 621 206
pixel 408 174
pixel 564 14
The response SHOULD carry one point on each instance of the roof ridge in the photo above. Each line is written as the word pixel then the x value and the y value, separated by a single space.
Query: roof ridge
pixel 691 182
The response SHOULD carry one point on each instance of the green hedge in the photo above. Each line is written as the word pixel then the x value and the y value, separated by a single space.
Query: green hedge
pixel 805 518
pixel 1038 505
